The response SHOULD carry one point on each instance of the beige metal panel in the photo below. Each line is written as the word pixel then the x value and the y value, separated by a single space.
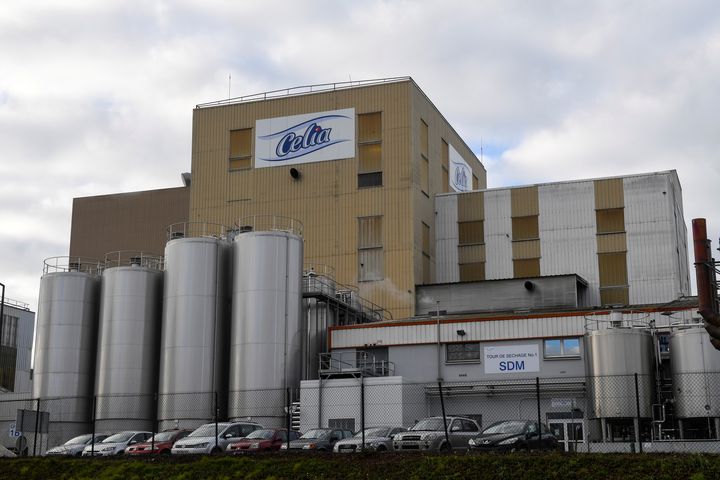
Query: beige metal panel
pixel 126 221
pixel 446 228
pixel 526 249
pixel 610 220
pixel 326 197
pixel 472 272
pixel 471 253
pixel 524 201
pixel 613 269
pixel 525 228
pixel 525 268
pixel 471 206
pixel 612 242
pixel 609 193
pixel 470 233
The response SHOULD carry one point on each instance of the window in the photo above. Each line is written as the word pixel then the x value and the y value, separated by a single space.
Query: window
pixel 561 348
pixel 9 331
pixel 240 149
pixel 462 352
pixel 370 150
pixel 341 424
pixel 370 249
pixel 424 159
pixel 426 253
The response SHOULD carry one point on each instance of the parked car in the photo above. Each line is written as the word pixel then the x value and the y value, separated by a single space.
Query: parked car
pixel 513 435
pixel 429 435
pixel 203 439
pixel 377 439
pixel 116 444
pixel 265 440
pixel 162 443
pixel 75 446
pixel 322 439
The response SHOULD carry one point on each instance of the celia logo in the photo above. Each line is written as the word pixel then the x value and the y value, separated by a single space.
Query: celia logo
pixel 314 136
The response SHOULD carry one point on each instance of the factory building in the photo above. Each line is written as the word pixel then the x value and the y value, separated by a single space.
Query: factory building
pixel 345 232
pixel 16 338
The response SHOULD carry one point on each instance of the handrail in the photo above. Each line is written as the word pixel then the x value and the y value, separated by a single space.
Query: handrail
pixel 72 264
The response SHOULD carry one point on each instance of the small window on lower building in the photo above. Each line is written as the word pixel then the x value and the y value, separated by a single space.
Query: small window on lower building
pixel 342 423
pixel 561 348
pixel 462 352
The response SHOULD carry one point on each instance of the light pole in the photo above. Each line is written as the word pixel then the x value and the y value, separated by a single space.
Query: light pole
pixel 439 347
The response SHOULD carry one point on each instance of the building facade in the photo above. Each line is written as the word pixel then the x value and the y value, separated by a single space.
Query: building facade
pixel 16 340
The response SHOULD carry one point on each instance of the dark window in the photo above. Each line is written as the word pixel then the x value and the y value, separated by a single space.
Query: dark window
pixel 462 352
pixel 342 424
pixel 373 179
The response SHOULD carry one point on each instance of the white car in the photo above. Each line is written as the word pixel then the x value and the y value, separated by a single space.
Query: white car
pixel 203 439
pixel 75 446
pixel 116 444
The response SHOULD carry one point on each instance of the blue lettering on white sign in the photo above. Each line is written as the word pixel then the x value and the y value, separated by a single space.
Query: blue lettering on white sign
pixel 512 365
pixel 303 138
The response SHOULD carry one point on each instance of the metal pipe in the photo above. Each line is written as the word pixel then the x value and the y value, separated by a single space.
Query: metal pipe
pixel 439 346
pixel 539 428
pixel 707 301
pixel 362 411
pixel 637 408
pixel 37 420
pixel 442 407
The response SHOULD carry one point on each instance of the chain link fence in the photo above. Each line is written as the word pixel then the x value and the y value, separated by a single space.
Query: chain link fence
pixel 630 413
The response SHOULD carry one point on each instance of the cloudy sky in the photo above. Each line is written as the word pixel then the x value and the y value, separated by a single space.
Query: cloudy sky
pixel 96 97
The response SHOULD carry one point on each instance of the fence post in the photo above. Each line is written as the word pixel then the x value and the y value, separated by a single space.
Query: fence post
pixel 37 423
pixel 362 411
pixel 289 417
pixel 442 407
pixel 92 440
pixel 217 412
pixel 155 422
pixel 539 426
pixel 637 409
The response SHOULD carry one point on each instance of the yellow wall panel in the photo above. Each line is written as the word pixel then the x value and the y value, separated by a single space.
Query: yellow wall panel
pixel 471 206
pixel 471 254
pixel 609 193
pixel 526 249
pixel 613 242
pixel 524 201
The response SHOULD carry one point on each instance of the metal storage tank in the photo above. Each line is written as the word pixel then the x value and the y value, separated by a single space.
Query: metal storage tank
pixel 65 342
pixel 127 357
pixel 614 356
pixel 695 365
pixel 195 326
pixel 319 312
pixel 266 334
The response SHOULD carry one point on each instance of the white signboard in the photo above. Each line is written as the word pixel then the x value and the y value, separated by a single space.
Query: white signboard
pixel 460 174
pixel 313 137
pixel 512 359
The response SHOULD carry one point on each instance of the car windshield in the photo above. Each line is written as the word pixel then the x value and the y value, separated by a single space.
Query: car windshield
pixel 429 424
pixel 374 432
pixel 505 427
pixel 119 437
pixel 162 437
pixel 264 434
pixel 208 430
pixel 82 439
pixel 315 434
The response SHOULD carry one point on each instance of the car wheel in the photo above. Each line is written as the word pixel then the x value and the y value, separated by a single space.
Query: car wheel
pixel 215 451
pixel 445 448
pixel 165 452
pixel 381 448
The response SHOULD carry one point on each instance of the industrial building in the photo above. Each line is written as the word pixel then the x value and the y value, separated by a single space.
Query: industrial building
pixel 341 234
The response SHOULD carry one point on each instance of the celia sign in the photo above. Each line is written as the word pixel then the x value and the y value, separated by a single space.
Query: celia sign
pixel 512 359
pixel 460 174
pixel 313 137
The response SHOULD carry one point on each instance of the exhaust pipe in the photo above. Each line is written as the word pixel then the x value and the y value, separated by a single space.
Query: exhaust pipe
pixel 705 275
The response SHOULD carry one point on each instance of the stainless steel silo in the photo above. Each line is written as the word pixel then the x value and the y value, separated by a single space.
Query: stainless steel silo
pixel 695 366
pixel 266 334
pixel 195 326
pixel 65 342
pixel 614 356
pixel 127 357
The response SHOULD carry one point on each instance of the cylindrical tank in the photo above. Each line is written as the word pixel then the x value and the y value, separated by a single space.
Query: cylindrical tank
pixel 266 334
pixel 614 356
pixel 695 365
pixel 127 357
pixel 65 342
pixel 194 338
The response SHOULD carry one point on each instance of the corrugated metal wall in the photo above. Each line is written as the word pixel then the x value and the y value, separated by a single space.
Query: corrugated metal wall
pixel 498 235
pixel 446 245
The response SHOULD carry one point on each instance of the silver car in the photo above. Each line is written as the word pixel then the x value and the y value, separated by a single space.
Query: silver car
pixel 115 444
pixel 203 439
pixel 429 435
pixel 377 439
pixel 75 446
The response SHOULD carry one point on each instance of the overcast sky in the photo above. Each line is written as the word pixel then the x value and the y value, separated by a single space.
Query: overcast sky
pixel 96 97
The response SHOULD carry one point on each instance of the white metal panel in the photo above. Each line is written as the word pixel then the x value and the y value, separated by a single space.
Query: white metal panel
pixel 446 239
pixel 498 235
pixel 567 233
pixel 653 270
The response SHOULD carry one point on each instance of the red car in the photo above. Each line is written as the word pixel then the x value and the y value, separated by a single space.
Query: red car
pixel 265 440
pixel 164 442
